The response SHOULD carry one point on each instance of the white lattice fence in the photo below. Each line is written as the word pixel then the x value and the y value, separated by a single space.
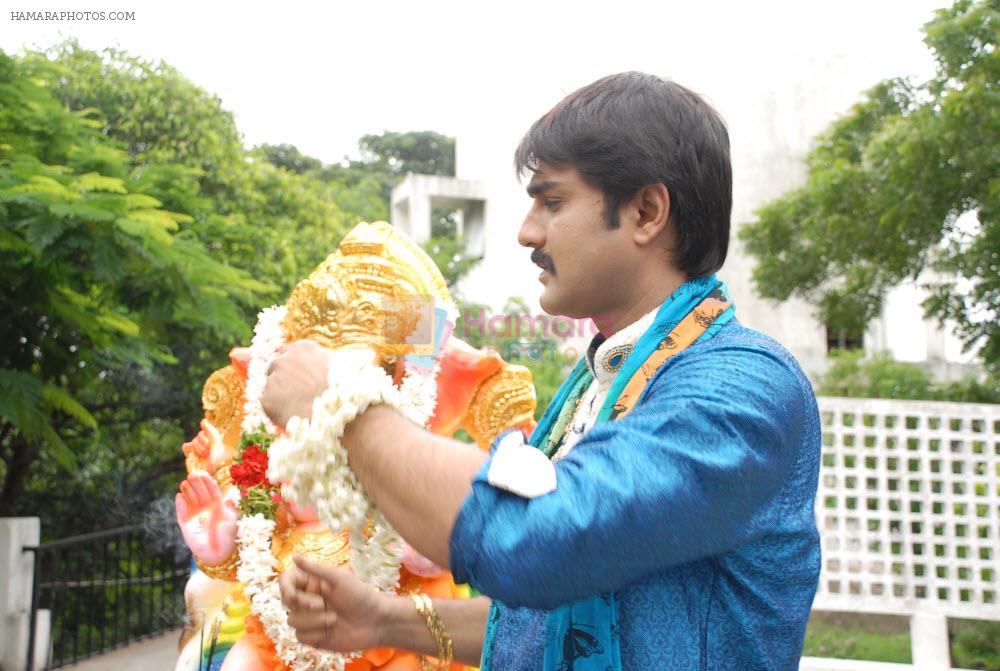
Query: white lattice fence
pixel 908 508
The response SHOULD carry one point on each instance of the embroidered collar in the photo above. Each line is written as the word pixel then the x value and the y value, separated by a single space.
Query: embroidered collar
pixel 605 356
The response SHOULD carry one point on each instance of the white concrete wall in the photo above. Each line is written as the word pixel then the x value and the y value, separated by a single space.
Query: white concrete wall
pixel 16 573
pixel 772 125
pixel 770 135
pixel 903 331
pixel 906 511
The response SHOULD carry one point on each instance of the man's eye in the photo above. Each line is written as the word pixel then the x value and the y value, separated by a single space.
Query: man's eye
pixel 551 203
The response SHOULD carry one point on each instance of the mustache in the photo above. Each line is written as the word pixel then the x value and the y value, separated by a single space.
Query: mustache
pixel 543 260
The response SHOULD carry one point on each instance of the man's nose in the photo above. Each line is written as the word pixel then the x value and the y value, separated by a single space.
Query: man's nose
pixel 531 233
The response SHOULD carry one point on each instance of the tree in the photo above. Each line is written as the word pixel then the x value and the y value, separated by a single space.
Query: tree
pixel 879 376
pixel 447 248
pixel 96 275
pixel 907 182
pixel 386 160
pixel 289 157
pixel 428 153
pixel 159 116
pixel 231 215
pixel 126 140
pixel 423 152
pixel 248 208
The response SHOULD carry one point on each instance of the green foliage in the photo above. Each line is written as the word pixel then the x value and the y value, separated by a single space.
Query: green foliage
pixel 854 375
pixel 289 157
pixel 250 209
pixel 259 498
pixel 547 373
pixel 827 637
pixel 975 645
pixel 28 404
pixel 425 152
pixel 448 249
pixel 95 272
pixel 257 501
pixel 548 370
pixel 450 257
pixel 387 158
pixel 468 329
pixel 879 377
pixel 259 437
pixel 138 239
pixel 153 111
pixel 294 223
pixel 887 188
pixel 365 186
pixel 971 390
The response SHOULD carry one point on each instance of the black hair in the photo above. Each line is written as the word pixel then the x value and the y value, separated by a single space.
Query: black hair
pixel 628 131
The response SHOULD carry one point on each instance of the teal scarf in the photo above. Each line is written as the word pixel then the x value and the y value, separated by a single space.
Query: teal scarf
pixel 583 635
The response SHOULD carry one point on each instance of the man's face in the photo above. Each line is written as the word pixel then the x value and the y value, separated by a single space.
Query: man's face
pixel 585 266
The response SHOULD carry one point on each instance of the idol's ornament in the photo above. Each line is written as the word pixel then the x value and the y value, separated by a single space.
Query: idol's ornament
pixel 256 495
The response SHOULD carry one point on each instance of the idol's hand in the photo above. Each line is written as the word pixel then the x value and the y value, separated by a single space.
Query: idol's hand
pixel 207 520
pixel 207 446
pixel 295 379
pixel 417 564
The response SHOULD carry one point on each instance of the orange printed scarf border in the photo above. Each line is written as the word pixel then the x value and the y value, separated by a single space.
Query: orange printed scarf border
pixel 687 331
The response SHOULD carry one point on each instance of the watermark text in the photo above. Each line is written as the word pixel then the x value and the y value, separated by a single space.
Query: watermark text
pixel 42 15
pixel 476 322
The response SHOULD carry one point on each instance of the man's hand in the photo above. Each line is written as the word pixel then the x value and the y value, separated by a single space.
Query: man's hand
pixel 294 379
pixel 331 608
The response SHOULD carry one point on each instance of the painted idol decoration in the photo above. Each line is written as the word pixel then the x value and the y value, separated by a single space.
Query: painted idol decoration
pixel 378 291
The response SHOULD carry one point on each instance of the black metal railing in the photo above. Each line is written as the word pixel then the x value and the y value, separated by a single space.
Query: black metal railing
pixel 105 590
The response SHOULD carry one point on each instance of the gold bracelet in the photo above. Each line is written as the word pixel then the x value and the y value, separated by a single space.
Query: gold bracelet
pixel 222 474
pixel 224 571
pixel 443 641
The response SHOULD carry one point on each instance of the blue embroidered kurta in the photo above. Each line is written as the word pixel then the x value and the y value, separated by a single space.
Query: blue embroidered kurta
pixel 695 510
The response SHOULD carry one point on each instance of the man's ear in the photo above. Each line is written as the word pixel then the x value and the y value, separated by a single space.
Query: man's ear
pixel 651 209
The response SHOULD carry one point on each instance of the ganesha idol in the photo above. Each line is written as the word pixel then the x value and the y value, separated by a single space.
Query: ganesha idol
pixel 376 291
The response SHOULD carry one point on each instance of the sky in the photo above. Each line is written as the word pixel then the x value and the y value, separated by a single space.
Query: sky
pixel 321 75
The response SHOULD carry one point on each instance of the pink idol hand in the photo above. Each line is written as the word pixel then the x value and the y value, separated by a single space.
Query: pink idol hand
pixel 207 446
pixel 207 520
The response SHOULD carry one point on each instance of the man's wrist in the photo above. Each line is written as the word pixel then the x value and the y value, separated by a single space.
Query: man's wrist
pixel 357 427
pixel 357 433
pixel 400 624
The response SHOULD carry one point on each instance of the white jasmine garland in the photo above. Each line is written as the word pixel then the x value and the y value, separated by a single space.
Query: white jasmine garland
pixel 311 459
pixel 376 559
pixel 268 338
pixel 311 462
pixel 257 571
pixel 419 391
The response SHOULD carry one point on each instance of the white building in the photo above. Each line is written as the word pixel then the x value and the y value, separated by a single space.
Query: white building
pixel 772 120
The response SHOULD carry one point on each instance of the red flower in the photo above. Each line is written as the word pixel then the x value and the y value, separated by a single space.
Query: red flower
pixel 252 470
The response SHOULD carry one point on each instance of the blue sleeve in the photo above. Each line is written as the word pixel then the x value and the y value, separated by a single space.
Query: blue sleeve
pixel 682 477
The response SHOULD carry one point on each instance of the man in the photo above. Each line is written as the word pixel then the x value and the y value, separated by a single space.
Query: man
pixel 673 527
